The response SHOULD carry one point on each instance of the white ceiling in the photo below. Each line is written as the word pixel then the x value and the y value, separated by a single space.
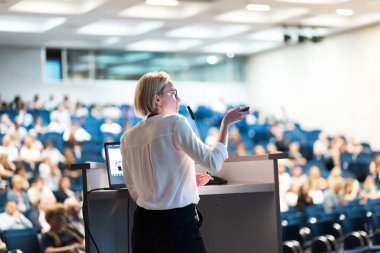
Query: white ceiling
pixel 219 26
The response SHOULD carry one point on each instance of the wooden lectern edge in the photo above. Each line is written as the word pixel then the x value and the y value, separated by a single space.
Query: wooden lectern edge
pixel 273 156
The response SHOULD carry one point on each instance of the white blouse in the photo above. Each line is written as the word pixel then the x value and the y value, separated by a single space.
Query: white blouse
pixel 158 162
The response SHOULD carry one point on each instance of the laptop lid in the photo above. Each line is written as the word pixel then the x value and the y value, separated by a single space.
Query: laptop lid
pixel 114 165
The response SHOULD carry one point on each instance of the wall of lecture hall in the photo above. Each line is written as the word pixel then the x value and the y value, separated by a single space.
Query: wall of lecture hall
pixel 21 68
pixel 333 85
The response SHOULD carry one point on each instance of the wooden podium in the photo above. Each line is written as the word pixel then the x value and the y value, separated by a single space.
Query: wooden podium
pixel 242 216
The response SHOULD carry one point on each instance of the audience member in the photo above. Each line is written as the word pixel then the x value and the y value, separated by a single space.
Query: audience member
pixel 212 136
pixel 369 188
pixel 333 196
pixel 315 176
pixel 109 126
pixel 304 200
pixel 38 191
pixel 374 168
pixel 74 214
pixel 61 237
pixel 36 103
pixel 11 218
pixel 7 167
pixel 335 175
pixel 298 178
pixel 18 194
pixel 8 148
pixel 64 191
pixel 50 173
pixel 54 155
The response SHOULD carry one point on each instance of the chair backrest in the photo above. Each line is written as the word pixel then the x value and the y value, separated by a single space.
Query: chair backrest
pixel 354 240
pixel 25 240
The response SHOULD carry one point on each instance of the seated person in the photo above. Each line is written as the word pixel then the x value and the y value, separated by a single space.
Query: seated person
pixel 61 237
pixel 11 218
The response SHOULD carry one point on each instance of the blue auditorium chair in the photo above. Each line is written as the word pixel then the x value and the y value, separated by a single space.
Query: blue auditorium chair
pixel 291 247
pixel 3 199
pixel 25 240
pixel 44 114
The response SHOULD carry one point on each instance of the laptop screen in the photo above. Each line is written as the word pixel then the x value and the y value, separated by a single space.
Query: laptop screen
pixel 114 165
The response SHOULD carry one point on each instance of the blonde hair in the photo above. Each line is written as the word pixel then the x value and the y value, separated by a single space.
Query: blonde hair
pixel 148 86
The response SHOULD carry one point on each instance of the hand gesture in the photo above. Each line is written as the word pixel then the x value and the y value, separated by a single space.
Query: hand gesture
pixel 234 115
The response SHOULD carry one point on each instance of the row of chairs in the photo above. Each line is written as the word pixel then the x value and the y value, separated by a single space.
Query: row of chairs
pixel 353 227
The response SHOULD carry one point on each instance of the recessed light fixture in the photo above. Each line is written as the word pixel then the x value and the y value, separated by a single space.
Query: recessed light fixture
pixel 212 59
pixel 258 7
pixel 345 12
pixel 230 54
pixel 162 2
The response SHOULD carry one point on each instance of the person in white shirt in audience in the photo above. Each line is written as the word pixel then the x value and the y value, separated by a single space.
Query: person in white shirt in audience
pixel 11 218
pixel 352 190
pixel 212 136
pixel 6 125
pixel 165 187
pixel 30 154
pixel 111 111
pixel 76 133
pixel 39 190
pixel 315 175
pixel 298 178
pixel 62 115
pixel 9 149
pixel 80 110
pixel 7 167
pixel 53 153
pixel 51 103
pixel 109 126
pixel 50 173
pixel 284 181
pixel 36 104
pixel 39 126
pixel 55 125
pixel 316 192
pixel 36 143
pixel 335 175
pixel 23 118
pixel 321 146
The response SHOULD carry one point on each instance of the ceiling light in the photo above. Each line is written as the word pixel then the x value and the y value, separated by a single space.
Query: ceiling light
pixel 56 7
pixel 344 12
pixel 183 11
pixel 314 1
pixel 258 7
pixel 212 60
pixel 162 45
pixel 112 40
pixel 162 2
pixel 207 31
pixel 241 47
pixel 230 54
pixel 28 24
pixel 111 27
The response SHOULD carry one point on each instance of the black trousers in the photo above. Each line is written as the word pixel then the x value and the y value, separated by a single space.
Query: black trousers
pixel 166 231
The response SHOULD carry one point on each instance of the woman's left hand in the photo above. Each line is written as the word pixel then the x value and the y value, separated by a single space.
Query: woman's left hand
pixel 202 179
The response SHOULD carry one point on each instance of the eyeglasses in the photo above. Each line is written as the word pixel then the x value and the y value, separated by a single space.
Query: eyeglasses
pixel 171 92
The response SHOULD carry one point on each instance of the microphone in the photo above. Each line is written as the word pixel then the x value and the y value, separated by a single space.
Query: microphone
pixel 192 115
pixel 214 179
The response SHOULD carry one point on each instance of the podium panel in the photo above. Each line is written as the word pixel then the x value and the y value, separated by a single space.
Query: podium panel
pixel 242 216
